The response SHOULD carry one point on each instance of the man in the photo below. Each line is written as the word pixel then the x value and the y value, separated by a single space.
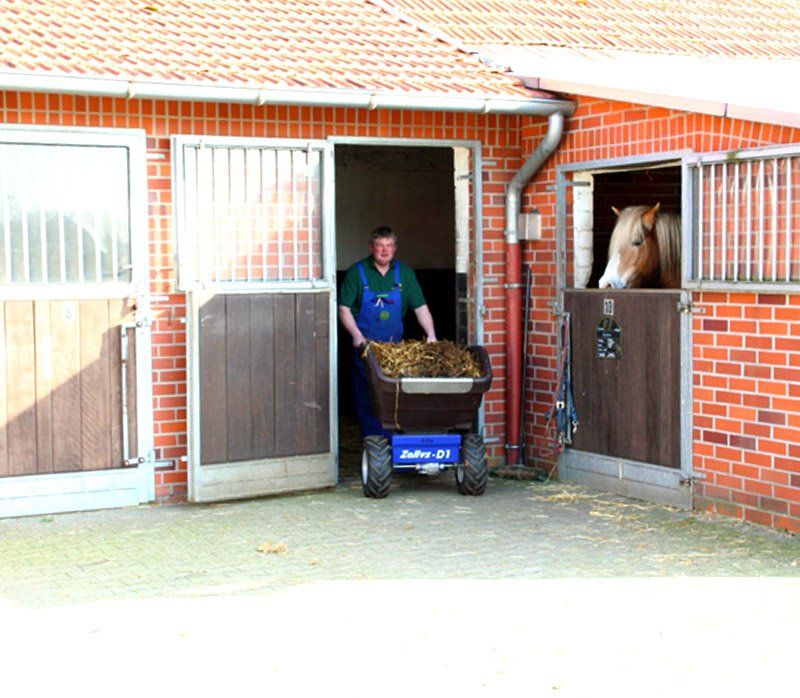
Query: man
pixel 375 295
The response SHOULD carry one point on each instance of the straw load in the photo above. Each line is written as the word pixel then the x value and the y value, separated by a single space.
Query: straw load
pixel 416 359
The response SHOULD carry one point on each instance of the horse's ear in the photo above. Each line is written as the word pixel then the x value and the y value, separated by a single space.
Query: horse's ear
pixel 616 210
pixel 649 216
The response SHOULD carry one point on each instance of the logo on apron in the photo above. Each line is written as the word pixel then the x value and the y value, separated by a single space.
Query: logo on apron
pixel 382 301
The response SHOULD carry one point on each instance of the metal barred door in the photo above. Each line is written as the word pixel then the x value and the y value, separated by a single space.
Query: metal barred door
pixel 256 260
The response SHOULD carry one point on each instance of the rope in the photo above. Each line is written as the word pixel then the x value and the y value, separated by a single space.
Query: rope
pixel 397 405
pixel 562 417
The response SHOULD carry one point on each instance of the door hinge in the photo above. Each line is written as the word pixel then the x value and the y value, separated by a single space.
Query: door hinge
pixel 557 308
pixel 142 320
pixel 691 308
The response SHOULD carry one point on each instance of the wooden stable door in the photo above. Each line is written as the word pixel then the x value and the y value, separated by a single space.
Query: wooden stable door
pixel 264 377
pixel 626 373
pixel 257 261
pixel 61 393
pixel 261 394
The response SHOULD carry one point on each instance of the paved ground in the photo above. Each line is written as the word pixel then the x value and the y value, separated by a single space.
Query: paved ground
pixel 532 589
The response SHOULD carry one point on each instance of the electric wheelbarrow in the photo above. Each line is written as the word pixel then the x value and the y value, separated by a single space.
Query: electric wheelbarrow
pixel 430 421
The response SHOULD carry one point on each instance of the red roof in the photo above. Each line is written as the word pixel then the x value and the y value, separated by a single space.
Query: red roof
pixel 331 44
pixel 731 28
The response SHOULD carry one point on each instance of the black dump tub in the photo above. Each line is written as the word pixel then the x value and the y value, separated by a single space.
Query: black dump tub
pixel 428 404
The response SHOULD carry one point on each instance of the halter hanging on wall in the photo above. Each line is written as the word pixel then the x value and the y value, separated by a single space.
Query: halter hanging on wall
pixel 562 417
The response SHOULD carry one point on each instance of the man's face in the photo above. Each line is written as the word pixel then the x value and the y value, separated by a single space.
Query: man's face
pixel 382 250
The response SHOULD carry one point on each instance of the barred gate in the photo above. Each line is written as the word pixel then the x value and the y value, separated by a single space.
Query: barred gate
pixel 745 226
pixel 256 261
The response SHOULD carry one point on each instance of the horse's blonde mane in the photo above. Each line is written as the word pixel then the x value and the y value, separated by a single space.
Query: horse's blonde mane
pixel 668 234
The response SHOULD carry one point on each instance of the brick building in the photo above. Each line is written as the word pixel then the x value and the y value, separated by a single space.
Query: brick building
pixel 211 169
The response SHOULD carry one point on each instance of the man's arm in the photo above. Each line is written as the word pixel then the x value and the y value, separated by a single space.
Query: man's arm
pixel 349 323
pixel 425 321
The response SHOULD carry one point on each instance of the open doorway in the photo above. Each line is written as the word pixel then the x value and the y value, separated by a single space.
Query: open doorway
pixel 411 189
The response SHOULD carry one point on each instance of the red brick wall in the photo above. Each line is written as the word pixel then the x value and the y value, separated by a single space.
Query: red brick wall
pixel 746 369
pixel 756 481
pixel 747 406
pixel 162 119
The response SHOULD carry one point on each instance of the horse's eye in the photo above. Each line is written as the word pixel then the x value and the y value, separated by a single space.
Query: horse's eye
pixel 638 243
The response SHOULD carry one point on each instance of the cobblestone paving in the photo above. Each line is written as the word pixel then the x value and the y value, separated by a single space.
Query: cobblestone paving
pixel 423 530
pixel 532 589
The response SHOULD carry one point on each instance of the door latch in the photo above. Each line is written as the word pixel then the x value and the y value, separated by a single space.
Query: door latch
pixel 690 308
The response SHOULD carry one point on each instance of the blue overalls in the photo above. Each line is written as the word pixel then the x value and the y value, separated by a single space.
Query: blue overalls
pixel 380 319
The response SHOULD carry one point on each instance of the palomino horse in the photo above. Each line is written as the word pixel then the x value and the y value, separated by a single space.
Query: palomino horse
pixel 645 250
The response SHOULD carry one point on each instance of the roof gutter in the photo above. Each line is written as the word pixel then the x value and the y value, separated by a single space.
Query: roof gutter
pixel 515 335
pixel 249 94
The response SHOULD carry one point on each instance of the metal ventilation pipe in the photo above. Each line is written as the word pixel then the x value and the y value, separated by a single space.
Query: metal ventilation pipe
pixel 514 331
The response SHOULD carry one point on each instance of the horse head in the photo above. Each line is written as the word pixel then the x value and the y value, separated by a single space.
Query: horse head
pixel 644 250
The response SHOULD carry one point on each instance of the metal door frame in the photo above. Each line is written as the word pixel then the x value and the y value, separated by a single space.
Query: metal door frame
pixel 27 495
pixel 203 477
pixel 476 152
pixel 620 475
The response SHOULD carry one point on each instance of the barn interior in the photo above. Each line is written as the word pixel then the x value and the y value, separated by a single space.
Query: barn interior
pixel 621 188
pixel 411 190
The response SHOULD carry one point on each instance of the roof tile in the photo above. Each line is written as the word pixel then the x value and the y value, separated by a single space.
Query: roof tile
pixel 333 44
pixel 728 28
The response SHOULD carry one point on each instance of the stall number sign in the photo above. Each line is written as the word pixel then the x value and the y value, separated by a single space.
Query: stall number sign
pixel 609 336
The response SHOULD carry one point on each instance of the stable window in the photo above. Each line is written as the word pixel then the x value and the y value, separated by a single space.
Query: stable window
pixel 595 195
pixel 65 214
pixel 745 222
pixel 250 212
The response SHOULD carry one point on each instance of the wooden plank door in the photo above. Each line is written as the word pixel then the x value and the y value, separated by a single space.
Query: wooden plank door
pixel 263 390
pixel 628 406
pixel 61 394
pixel 256 258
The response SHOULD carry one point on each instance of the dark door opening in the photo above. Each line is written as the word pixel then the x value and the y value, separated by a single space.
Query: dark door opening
pixel 411 190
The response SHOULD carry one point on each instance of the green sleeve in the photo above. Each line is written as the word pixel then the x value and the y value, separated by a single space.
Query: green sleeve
pixel 350 292
pixel 412 288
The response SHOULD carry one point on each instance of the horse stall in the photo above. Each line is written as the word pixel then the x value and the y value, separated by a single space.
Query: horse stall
pixel 626 343
pixel 686 395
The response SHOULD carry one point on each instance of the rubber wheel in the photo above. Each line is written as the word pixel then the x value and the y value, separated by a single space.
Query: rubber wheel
pixel 376 466
pixel 473 471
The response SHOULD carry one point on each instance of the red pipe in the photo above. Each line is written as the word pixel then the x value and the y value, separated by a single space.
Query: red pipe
pixel 514 341
pixel 514 330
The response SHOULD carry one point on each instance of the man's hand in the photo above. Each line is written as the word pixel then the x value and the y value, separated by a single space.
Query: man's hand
pixel 347 319
pixel 426 322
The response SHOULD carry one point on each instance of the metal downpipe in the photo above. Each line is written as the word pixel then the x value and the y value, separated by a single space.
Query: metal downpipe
pixel 514 334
